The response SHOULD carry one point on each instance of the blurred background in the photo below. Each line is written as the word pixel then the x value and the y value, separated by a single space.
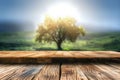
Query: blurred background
pixel 19 20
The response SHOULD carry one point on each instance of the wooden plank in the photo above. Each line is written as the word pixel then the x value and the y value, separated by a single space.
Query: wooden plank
pixel 7 73
pixel 26 73
pixel 111 72
pixel 48 72
pixel 94 73
pixel 54 56
pixel 59 54
pixel 99 54
pixel 71 72
pixel 19 72
pixel 78 71
pixel 117 66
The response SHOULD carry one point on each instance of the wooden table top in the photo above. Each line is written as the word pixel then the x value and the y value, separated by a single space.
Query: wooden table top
pixel 59 54
pixel 91 71
pixel 55 56
pixel 104 66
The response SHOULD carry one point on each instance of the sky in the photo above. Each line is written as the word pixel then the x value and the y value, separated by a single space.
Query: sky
pixel 93 14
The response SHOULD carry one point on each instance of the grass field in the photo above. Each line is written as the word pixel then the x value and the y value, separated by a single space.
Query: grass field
pixel 92 41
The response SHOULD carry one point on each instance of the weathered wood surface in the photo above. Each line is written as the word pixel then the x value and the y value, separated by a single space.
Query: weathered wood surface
pixel 98 65
pixel 60 72
pixel 59 54
pixel 54 56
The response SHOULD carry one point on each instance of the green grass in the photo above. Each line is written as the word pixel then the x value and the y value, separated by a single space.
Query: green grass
pixel 92 41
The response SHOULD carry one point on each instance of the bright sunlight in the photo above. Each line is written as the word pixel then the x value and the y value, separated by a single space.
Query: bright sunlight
pixel 62 10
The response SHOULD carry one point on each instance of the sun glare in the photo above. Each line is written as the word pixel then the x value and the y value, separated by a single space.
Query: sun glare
pixel 62 10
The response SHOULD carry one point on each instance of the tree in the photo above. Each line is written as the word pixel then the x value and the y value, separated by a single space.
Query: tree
pixel 59 30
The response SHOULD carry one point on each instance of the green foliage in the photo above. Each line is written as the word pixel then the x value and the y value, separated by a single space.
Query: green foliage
pixel 92 41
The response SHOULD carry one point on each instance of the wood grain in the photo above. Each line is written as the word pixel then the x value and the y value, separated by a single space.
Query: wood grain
pixel 59 54
pixel 75 71
pixel 48 72
pixel 54 56
pixel 91 65
pixel 72 72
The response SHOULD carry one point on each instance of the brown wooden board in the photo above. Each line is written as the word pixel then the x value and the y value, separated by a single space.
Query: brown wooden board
pixel 55 56
pixel 79 71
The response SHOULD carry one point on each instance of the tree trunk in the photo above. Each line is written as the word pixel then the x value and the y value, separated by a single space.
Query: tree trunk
pixel 59 46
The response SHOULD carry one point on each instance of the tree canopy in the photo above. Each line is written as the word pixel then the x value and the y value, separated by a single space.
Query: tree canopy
pixel 59 30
